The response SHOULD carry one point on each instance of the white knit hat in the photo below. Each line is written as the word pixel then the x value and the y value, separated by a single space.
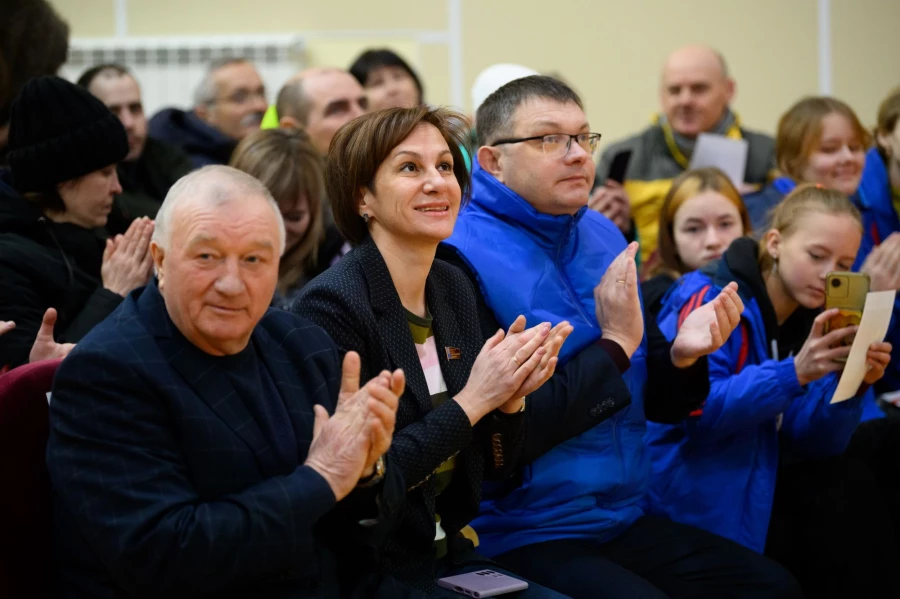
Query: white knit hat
pixel 493 78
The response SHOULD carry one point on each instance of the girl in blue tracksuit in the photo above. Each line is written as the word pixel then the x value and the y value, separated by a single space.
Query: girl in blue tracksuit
pixel 878 199
pixel 771 383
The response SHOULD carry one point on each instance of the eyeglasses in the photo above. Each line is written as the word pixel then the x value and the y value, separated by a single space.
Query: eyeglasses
pixel 243 96
pixel 558 144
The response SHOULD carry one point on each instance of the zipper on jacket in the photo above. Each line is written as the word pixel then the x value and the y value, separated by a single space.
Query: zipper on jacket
pixel 566 284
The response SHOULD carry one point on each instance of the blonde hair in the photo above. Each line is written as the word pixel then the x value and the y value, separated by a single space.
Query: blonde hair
pixel 287 164
pixel 686 186
pixel 800 130
pixel 804 200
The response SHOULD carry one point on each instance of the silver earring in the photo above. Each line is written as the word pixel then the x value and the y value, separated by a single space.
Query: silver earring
pixel 775 266
pixel 366 217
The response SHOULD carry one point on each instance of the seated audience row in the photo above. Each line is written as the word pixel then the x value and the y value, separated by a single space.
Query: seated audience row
pixel 461 417
pixel 768 414
pixel 269 425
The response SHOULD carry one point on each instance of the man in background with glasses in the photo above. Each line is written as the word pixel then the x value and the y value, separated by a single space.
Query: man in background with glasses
pixel 573 518
pixel 229 103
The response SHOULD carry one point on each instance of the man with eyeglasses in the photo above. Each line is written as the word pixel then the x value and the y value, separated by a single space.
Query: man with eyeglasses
pixel 695 92
pixel 229 103
pixel 573 519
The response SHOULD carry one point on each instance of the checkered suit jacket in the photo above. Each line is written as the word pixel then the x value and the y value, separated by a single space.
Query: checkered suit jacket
pixel 166 486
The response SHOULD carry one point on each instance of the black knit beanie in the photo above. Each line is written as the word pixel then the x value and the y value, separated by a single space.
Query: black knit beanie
pixel 59 132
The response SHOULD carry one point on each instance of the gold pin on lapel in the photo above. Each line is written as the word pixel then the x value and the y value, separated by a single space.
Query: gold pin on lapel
pixel 453 353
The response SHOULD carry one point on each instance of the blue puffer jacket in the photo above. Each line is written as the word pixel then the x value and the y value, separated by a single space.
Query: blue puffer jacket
pixel 717 469
pixel 546 268
pixel 760 206
pixel 880 219
pixel 761 203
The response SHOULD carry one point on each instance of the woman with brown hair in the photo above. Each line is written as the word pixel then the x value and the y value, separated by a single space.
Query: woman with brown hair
pixel 397 180
pixel 286 162
pixel 700 217
pixel 819 140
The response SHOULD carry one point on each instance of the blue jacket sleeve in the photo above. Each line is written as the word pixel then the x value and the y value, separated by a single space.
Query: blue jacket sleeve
pixel 736 401
pixel 813 427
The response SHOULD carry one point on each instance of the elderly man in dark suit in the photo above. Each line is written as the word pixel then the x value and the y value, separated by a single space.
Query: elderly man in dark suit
pixel 191 449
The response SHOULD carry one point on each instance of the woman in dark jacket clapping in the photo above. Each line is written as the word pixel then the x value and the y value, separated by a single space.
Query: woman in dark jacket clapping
pixel 63 148
pixel 397 179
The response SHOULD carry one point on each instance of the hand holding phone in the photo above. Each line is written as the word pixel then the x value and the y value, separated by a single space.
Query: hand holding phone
pixel 845 291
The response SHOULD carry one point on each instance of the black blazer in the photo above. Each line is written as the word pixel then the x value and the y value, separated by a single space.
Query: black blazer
pixel 166 485
pixel 356 302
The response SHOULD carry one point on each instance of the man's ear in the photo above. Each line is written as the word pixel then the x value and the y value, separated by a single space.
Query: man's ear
pixel 202 112
pixel 159 256
pixel 729 89
pixel 289 122
pixel 489 160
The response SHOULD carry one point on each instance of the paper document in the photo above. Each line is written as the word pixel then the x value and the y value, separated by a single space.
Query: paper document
pixel 873 327
pixel 729 155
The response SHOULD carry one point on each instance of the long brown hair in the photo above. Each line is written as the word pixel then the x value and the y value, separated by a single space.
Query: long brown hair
pixel 800 130
pixel 285 161
pixel 686 186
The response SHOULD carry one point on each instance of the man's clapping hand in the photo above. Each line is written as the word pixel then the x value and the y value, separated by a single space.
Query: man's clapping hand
pixel 347 444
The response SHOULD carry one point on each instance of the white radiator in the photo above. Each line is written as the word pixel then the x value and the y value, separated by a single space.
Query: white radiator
pixel 169 69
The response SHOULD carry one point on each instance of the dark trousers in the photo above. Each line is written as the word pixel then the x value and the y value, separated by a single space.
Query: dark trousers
pixel 877 443
pixel 654 559
pixel 832 528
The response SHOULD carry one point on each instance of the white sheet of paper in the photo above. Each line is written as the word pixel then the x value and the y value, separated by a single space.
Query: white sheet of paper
pixel 725 153
pixel 872 328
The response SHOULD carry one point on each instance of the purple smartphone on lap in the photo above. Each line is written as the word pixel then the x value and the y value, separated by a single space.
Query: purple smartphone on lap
pixel 483 583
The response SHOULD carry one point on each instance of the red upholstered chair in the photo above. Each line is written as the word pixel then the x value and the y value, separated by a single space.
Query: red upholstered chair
pixel 25 516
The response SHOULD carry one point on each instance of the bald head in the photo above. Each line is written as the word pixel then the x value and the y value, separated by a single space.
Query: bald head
pixel 695 89
pixel 212 186
pixel 320 101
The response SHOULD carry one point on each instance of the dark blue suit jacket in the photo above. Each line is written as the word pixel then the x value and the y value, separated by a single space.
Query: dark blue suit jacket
pixel 165 485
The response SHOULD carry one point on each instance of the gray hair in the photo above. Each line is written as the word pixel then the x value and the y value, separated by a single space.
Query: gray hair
pixel 207 90
pixel 494 119
pixel 218 185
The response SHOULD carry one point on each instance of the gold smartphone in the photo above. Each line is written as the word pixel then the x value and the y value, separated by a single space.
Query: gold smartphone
pixel 847 292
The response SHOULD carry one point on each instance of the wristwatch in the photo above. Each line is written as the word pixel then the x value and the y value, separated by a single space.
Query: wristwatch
pixel 374 478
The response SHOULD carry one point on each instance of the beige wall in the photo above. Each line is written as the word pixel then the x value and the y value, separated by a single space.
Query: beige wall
pixel 866 53
pixel 609 51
